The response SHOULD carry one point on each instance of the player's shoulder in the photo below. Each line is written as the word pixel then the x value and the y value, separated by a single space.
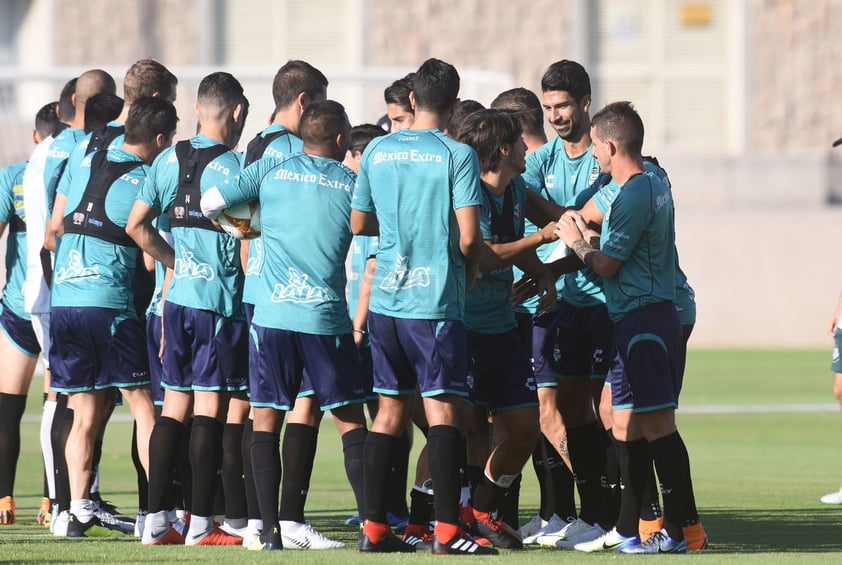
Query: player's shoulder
pixel 13 172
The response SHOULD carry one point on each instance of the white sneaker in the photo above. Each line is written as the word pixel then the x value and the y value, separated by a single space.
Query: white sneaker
pixel 296 535
pixel 572 528
pixel 533 525
pixel 833 498
pixel 610 541
pixel 584 532
pixel 60 527
pixel 53 517
pixel 235 528
pixel 250 536
pixel 551 528
pixel 113 521
pixel 139 523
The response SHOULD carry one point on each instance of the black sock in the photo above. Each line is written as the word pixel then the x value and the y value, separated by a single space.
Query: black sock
pixel 546 487
pixel 691 513
pixel 248 473
pixel 421 508
pixel 232 471
pixel 297 453
pixel 205 460
pixel 95 461
pixel 164 443
pixel 633 460
pixel 610 484
pixel 474 476
pixel 62 422
pixel 508 503
pixel 12 407
pixel 673 466
pixel 377 454
pixel 396 483
pixel 650 503
pixel 563 484
pixel 353 444
pixel 266 466
pixel 183 470
pixel 443 447
pixel 140 473
pixel 587 454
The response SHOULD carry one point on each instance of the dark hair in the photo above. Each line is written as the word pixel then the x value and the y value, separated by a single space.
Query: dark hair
pixel 486 131
pixel 46 120
pixel 567 76
pixel 525 106
pixel 221 88
pixel 462 111
pixel 435 85
pixel 66 109
pixel 100 109
pixel 322 121
pixel 398 92
pixel 294 78
pixel 147 77
pixel 362 135
pixel 620 123
pixel 148 117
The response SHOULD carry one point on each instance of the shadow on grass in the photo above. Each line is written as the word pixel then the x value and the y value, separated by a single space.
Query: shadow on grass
pixel 811 530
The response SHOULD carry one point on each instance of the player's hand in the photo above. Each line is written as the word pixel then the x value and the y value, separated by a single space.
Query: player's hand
pixel 545 284
pixel 548 232
pixel 523 289
pixel 568 230
pixel 589 234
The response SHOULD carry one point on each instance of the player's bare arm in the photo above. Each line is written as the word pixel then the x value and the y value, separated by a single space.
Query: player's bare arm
pixel 140 229
pixel 364 223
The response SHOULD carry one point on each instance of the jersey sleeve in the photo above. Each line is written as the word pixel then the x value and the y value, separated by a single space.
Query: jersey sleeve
pixel 466 187
pixel 628 218
pixel 532 176
pixel 361 199
pixel 7 197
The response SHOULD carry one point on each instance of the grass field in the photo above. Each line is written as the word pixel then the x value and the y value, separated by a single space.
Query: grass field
pixel 764 443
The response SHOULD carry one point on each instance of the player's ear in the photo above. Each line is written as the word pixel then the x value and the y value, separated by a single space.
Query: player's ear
pixel 238 113
pixel 35 137
pixel 586 102
pixel 303 100
pixel 412 100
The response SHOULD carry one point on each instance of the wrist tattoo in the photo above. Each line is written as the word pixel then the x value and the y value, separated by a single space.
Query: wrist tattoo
pixel 582 249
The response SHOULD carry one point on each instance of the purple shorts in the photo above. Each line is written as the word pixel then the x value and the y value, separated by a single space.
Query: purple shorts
pixel 500 374
pixel 584 341
pixel 536 335
pixel 153 347
pixel 19 332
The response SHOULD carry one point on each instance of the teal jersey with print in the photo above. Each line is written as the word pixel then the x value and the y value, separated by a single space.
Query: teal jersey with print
pixel 363 248
pixel 156 305
pixel 639 230
pixel 559 178
pixel 489 304
pixel 278 149
pixel 207 274
pixel 90 271
pixel 13 214
pixel 305 208
pixel 414 180
pixel 685 297
pixel 56 163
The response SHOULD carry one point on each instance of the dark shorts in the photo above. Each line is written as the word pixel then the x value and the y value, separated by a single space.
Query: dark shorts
pixel 278 359
pixel 584 341
pixel 367 372
pixel 429 353
pixel 646 372
pixel 97 348
pixel 535 331
pixel 500 374
pixel 19 332
pixel 836 362
pixel 153 347
pixel 204 351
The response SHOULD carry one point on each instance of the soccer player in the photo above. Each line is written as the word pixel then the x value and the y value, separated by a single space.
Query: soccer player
pixel 500 370
pixel 836 366
pixel 399 110
pixel 18 344
pixel 636 259
pixel 95 325
pixel 555 480
pixel 422 190
pixel 204 355
pixel 300 321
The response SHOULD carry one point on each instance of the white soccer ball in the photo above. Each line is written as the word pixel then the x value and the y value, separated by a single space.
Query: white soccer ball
pixel 242 221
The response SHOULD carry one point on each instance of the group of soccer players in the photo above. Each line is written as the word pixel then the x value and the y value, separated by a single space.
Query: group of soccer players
pixel 244 338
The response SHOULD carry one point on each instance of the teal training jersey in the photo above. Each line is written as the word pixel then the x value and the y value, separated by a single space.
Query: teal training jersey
pixel 90 271
pixel 489 305
pixel 61 149
pixel 207 274
pixel 685 297
pixel 156 305
pixel 305 208
pixel 414 180
pixel 363 248
pixel 559 178
pixel 12 213
pixel 639 230
pixel 279 148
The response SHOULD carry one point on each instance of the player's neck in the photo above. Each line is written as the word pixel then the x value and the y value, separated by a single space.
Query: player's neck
pixel 289 118
pixel 577 147
pixel 496 181
pixel 623 168
pixel 325 152
pixel 143 151
pixel 425 119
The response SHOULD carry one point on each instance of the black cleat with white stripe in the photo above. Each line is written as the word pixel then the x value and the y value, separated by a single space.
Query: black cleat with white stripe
pixel 461 545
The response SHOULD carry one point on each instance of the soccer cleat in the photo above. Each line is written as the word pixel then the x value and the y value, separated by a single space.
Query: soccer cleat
pixel 610 541
pixel 696 537
pixel 58 525
pixel 387 542
pixel 570 530
pixel 495 530
pixel 461 544
pixel 583 532
pixel 93 528
pixel 648 528
pixel 250 536
pixel 353 520
pixel 833 498
pixel 216 537
pixel 44 515
pixel 111 518
pixel 398 523
pixel 420 536
pixel 296 535
pixel 7 510
pixel 533 525
pixel 661 542
pixel 552 528
pixel 169 537
pixel 267 542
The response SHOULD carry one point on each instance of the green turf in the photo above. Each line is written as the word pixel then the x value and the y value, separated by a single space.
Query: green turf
pixel 758 478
